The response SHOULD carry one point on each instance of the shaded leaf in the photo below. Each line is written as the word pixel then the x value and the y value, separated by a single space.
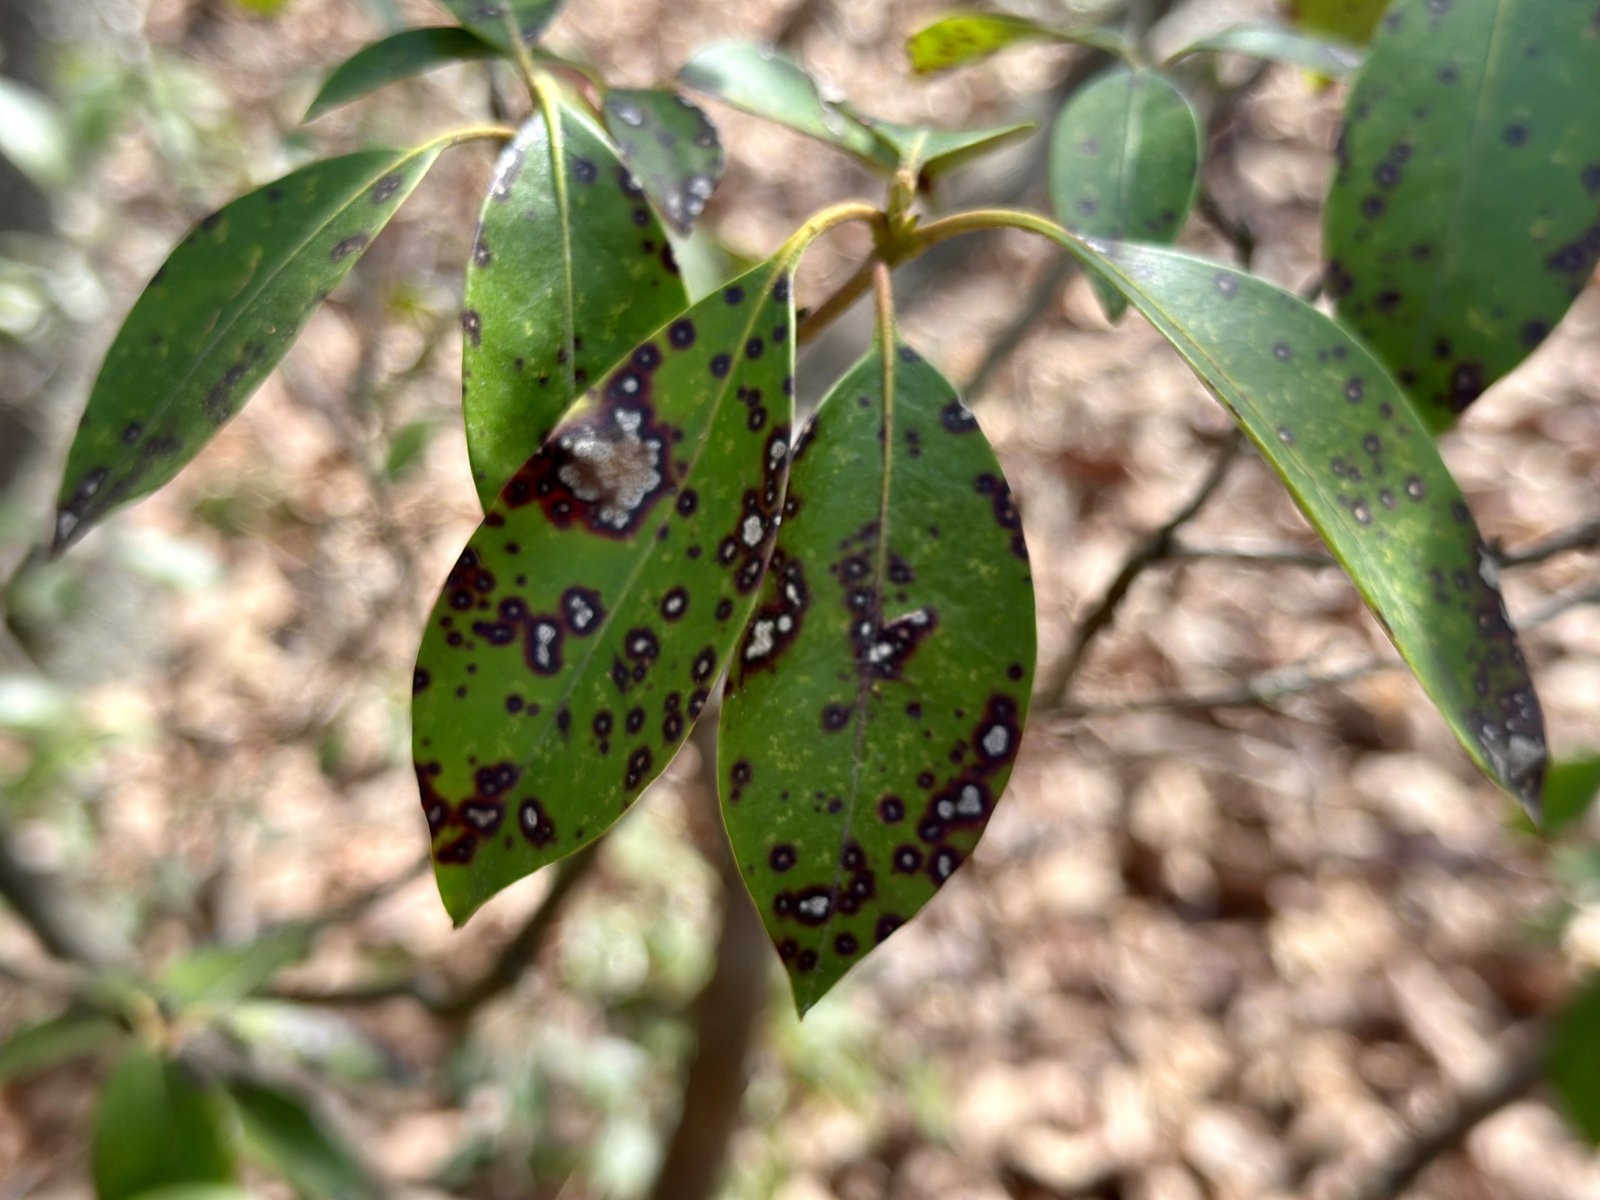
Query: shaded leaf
pixel 155 1125
pixel 1572 1064
pixel 966 37
pixel 569 270
pixel 406 449
pixel 765 82
pixel 1125 162
pixel 60 1039
pixel 219 975
pixel 931 153
pixel 1324 55
pixel 1351 20
pixel 217 317
pixel 581 630
pixel 876 699
pixel 1570 789
pixel 503 22
pixel 283 1131
pixel 1465 212
pixel 398 56
pixel 671 147
pixel 1361 466
pixel 314 1037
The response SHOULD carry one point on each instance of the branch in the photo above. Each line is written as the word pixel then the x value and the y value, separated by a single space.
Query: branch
pixel 39 901
pixel 1238 233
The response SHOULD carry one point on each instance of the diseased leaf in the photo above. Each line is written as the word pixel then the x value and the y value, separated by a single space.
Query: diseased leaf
pixel 1570 790
pixel 569 270
pixel 50 1043
pixel 876 699
pixel 219 975
pixel 503 22
pixel 1361 466
pixel 763 81
pixel 1324 55
pixel 579 634
pixel 398 56
pixel 1125 162
pixel 217 317
pixel 156 1125
pixel 671 147
pixel 1573 1059
pixel 282 1130
pixel 1352 20
pixel 1465 212
pixel 966 37
pixel 931 153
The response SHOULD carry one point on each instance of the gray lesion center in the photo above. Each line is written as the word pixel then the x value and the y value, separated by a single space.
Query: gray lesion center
pixel 610 465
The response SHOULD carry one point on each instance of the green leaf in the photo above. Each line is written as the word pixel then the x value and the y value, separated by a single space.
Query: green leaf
pixel 966 37
pixel 570 269
pixel 318 1038
pixel 34 136
pixel 1351 20
pixel 1572 1065
pixel 50 1043
pixel 931 153
pixel 503 22
pixel 217 317
pixel 398 56
pixel 217 976
pixel 1465 212
pixel 1361 466
pixel 1125 162
pixel 671 147
pixel 765 82
pixel 406 449
pixel 156 1125
pixel 1570 788
pixel 1326 56
pixel 876 699
pixel 580 633
pixel 281 1130
pixel 196 1191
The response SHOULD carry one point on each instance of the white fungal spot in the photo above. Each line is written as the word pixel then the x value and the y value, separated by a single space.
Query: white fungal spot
pixel 629 114
pixel 761 642
pixel 752 530
pixel 612 468
pixel 945 809
pixel 971 802
pixel 1488 569
pixel 996 741
pixel 580 614
pixel 785 623
pixel 815 907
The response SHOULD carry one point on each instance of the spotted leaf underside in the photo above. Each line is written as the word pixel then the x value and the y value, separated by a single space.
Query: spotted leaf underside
pixel 765 82
pixel 583 627
pixel 391 59
pixel 1464 215
pixel 1361 465
pixel 961 38
pixel 874 704
pixel 570 269
pixel 217 317
pixel 671 147
pixel 1125 162
pixel 1324 55
pixel 504 22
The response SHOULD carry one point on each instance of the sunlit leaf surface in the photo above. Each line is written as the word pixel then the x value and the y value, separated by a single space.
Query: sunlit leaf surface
pixel 671 147
pixel 966 37
pixel 217 317
pixel 583 627
pixel 1352 20
pixel 875 702
pixel 1465 212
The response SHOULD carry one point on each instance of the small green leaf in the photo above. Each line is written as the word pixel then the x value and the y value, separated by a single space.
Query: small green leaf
pixel 1326 56
pixel 1573 1059
pixel 282 1131
pixel 579 634
pixel 406 449
pixel 1351 20
pixel 931 153
pixel 50 1043
pixel 503 22
pixel 156 1125
pixel 966 37
pixel 763 81
pixel 1464 216
pixel 671 147
pixel 1125 163
pixel 1570 789
pixel 398 56
pixel 195 1191
pixel 217 976
pixel 569 270
pixel 876 700
pixel 1361 466
pixel 34 136
pixel 216 319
